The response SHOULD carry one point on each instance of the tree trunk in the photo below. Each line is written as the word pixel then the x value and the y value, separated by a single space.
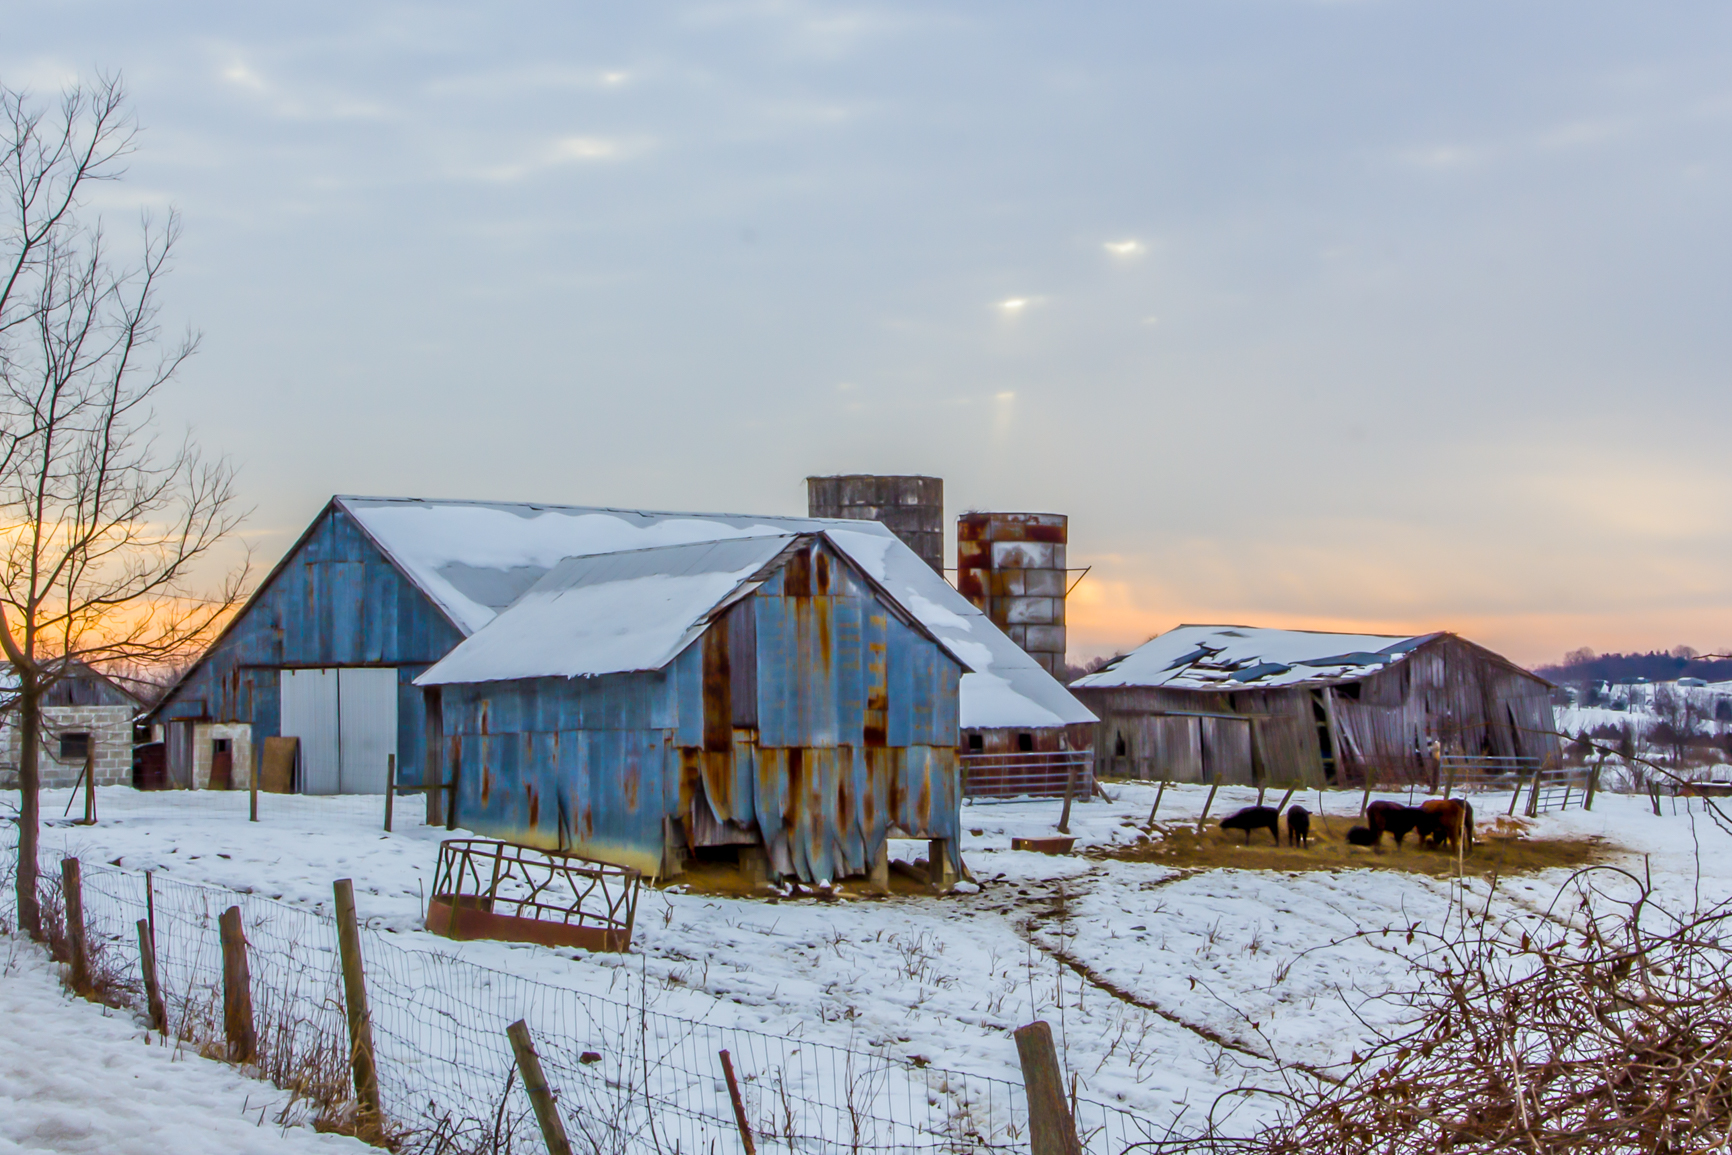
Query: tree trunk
pixel 29 803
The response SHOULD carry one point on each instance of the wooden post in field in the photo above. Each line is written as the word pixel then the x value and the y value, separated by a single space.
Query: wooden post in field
pixel 1286 798
pixel 535 1086
pixel 739 1105
pixel 257 761
pixel 1365 798
pixel 89 782
pixel 1594 782
pixel 1051 1130
pixel 1069 792
pixel 1162 789
pixel 362 1057
pixel 1207 802
pixel 390 787
pixel 238 1026
pixel 152 988
pixel 879 879
pixel 72 890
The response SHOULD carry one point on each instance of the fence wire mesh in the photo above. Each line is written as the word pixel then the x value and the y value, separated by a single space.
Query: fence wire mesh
pixel 628 1079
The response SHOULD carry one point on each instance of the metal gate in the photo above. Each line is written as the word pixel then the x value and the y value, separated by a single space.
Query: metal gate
pixel 346 719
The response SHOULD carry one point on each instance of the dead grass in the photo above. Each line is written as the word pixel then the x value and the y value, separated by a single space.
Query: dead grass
pixel 1502 847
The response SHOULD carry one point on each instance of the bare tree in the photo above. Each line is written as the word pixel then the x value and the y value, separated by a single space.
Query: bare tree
pixel 105 523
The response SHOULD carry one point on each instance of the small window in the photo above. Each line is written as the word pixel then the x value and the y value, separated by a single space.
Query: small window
pixel 1025 743
pixel 74 747
pixel 975 743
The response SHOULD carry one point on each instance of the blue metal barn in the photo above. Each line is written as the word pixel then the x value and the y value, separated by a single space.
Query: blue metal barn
pixel 564 668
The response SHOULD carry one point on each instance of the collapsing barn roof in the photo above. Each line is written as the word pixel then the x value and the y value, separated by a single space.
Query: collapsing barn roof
pixel 476 559
pixel 1235 657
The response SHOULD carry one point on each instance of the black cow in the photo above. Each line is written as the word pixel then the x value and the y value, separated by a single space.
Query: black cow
pixel 1255 818
pixel 1298 826
pixel 1361 836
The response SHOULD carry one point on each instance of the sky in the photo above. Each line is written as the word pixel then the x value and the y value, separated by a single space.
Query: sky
pixel 1372 315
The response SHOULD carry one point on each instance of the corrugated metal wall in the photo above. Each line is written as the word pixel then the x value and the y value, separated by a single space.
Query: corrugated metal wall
pixel 808 717
pixel 334 601
pixel 1473 701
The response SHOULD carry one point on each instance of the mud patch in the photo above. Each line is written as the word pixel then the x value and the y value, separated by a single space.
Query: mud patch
pixel 1501 847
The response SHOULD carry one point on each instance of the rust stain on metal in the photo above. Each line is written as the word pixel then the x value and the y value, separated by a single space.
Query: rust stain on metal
pixel 533 802
pixel 821 573
pixel 797 575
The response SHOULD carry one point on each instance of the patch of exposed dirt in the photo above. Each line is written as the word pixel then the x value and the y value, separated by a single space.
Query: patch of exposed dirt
pixel 1502 846
pixel 726 880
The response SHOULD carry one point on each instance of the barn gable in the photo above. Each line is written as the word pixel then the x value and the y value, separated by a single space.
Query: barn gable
pixel 334 601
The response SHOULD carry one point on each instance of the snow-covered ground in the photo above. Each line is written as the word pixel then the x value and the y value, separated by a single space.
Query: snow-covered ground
pixel 77 1077
pixel 1165 986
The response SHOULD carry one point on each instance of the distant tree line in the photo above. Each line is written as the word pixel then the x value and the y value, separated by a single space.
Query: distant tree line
pixel 1584 665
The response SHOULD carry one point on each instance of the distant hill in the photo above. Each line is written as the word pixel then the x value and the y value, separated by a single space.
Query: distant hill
pixel 1656 667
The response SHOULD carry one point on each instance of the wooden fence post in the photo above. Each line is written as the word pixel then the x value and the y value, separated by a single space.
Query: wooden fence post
pixel 1207 802
pixel 1051 1130
pixel 243 1038
pixel 257 760
pixel 390 787
pixel 1286 798
pixel 739 1105
pixel 535 1086
pixel 1593 783
pixel 362 1058
pixel 152 988
pixel 1160 790
pixel 89 782
pixel 1365 798
pixel 72 892
pixel 1069 792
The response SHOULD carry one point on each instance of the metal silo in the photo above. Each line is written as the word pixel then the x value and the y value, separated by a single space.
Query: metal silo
pixel 911 507
pixel 1012 565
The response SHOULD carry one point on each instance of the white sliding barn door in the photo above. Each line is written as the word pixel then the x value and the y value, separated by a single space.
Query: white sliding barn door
pixel 309 712
pixel 367 728
pixel 346 720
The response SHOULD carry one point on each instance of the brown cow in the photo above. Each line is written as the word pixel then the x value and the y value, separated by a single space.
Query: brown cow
pixel 1454 819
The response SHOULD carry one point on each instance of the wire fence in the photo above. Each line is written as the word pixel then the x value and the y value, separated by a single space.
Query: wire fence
pixel 628 1078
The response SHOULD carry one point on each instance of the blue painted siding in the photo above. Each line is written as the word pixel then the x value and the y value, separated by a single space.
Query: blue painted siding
pixel 334 601
pixel 578 763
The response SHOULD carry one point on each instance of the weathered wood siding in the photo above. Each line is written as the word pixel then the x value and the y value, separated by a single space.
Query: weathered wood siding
pixel 1470 699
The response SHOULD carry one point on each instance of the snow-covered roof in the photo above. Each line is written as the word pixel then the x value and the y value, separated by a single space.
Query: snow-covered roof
pixel 609 613
pixel 1243 657
pixel 474 559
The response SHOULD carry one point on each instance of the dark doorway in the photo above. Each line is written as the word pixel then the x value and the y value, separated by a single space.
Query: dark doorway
pixel 222 763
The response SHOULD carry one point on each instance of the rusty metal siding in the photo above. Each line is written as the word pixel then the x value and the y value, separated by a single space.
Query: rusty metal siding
pixel 334 601
pixel 819 782
pixel 564 763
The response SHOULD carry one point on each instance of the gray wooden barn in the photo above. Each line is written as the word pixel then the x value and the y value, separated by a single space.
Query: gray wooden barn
pixel 1241 704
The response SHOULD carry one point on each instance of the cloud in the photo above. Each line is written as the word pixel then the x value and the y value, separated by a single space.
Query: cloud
pixel 559 152
pixel 1125 250
pixel 1444 156
pixel 307 104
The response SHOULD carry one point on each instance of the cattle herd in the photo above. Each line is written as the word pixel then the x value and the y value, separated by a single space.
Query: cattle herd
pixel 1439 822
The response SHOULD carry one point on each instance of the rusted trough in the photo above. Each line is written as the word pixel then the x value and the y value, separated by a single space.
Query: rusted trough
pixel 485 889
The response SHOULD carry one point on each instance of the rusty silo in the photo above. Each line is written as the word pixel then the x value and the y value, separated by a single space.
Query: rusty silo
pixel 1012 565
pixel 911 507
